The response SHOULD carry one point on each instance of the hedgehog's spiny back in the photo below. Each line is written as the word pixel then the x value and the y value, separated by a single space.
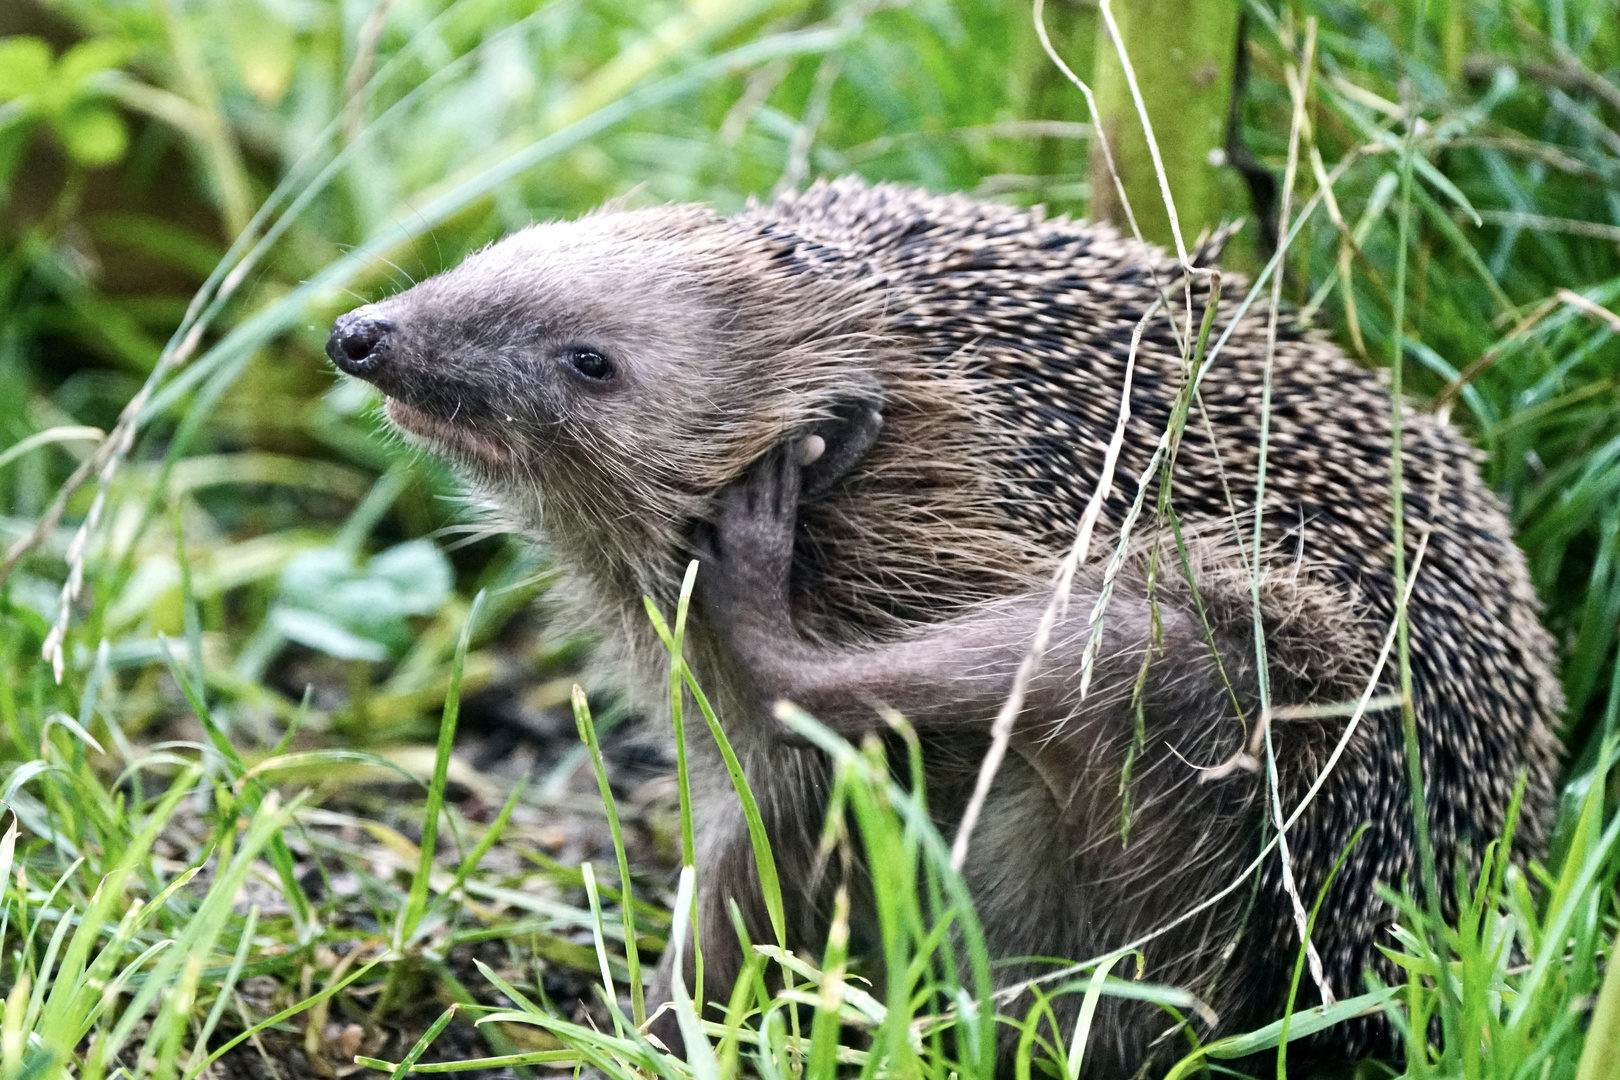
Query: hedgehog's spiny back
pixel 1029 321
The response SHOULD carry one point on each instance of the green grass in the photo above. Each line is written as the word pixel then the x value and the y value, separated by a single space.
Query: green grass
pixel 203 859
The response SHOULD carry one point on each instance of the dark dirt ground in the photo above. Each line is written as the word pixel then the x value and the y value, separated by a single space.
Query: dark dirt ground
pixel 349 857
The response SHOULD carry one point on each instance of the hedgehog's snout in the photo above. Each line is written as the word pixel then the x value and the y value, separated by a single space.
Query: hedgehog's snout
pixel 359 344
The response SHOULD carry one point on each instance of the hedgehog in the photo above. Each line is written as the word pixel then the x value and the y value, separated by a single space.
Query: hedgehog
pixel 876 415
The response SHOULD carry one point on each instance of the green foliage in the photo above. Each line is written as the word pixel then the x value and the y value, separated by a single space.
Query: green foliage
pixel 203 854
pixel 358 612
pixel 63 93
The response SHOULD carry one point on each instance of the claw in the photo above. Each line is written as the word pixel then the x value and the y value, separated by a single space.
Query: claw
pixel 811 448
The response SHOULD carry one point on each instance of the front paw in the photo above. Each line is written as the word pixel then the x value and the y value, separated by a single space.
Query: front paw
pixel 747 555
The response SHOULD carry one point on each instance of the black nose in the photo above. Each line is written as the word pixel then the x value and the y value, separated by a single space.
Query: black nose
pixel 359 343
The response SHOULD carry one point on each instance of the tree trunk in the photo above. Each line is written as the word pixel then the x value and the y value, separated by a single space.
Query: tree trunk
pixel 1182 52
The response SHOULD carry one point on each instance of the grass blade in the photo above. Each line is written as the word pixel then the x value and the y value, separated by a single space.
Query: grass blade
pixel 627 907
pixel 416 906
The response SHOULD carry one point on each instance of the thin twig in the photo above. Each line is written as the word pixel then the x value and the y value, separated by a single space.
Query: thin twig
pixel 1339 169
pixel 1167 437
pixel 1603 314
pixel 1542 223
pixel 1247 759
pixel 1427 871
pixel 1568 74
pixel 1442 400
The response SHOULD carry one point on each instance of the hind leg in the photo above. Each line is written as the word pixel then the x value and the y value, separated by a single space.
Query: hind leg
pixel 1071 894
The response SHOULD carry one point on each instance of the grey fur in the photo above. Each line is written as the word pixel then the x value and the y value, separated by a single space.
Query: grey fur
pixel 993 342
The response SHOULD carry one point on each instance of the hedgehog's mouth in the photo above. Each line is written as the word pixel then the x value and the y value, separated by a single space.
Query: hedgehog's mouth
pixel 442 432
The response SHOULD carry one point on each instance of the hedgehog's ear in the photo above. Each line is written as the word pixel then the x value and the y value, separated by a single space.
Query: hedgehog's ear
pixel 846 437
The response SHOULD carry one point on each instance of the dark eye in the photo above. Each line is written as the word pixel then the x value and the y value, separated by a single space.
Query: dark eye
pixel 589 363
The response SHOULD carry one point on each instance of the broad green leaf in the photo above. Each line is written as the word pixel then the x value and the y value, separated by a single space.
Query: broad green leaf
pixel 324 635
pixel 418 571
pixel 330 603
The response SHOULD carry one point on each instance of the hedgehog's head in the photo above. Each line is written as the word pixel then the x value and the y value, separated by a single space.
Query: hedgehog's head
pixel 599 380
